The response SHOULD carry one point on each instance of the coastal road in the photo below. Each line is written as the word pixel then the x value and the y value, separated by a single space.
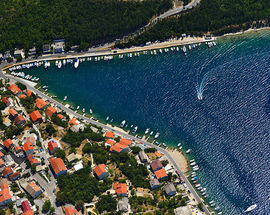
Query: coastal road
pixel 119 133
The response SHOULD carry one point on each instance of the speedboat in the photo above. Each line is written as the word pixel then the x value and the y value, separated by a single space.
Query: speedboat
pixel 151 133
pixel 147 131
pixel 59 64
pixel 91 112
pixel 135 129
pixel 251 208
pixel 188 151
pixel 123 123
pixel 107 118
pixel 76 64
pixel 78 107
pixel 157 135
pixel 83 110
pixel 65 98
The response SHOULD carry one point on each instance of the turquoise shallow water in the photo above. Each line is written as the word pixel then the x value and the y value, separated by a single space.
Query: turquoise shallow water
pixel 228 131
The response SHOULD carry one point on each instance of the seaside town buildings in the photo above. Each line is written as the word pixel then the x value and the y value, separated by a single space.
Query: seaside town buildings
pixel 32 162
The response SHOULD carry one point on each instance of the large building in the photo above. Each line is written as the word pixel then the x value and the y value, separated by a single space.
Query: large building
pixel 32 189
pixel 156 165
pixel 5 196
pixel 101 172
pixel 58 166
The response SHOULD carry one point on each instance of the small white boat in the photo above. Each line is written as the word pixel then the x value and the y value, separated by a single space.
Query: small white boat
pixel 83 110
pixel 157 135
pixel 78 107
pixel 251 208
pixel 188 151
pixel 135 129
pixel 184 49
pixel 76 64
pixel 107 118
pixel 91 112
pixel 147 131
pixel 151 133
pixel 59 64
pixel 179 144
pixel 64 62
pixel 123 123
pixel 65 98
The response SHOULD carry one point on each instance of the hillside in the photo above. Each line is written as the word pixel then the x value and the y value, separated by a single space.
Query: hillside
pixel 24 23
pixel 216 16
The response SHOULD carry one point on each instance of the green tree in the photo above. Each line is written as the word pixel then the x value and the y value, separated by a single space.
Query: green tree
pixel 46 206
pixel 60 153
pixel 106 203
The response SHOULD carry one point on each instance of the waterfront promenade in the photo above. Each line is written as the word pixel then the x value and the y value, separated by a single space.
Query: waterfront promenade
pixel 118 132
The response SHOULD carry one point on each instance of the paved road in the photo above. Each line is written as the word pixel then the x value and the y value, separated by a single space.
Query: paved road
pixel 119 133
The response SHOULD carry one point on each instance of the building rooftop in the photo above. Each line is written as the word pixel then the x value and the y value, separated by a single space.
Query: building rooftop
pixel 7 170
pixel 52 145
pixel 99 169
pixel 109 134
pixel 12 112
pixel 19 119
pixel 14 89
pixel 120 188
pixel 70 211
pixel 8 143
pixel 35 115
pixel 28 146
pixel 4 193
pixel 160 173
pixel 28 93
pixel 40 103
pixel 125 142
pixel 156 164
pixel 57 165
pixel 50 111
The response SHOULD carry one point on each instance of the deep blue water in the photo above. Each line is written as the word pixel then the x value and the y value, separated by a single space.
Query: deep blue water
pixel 228 131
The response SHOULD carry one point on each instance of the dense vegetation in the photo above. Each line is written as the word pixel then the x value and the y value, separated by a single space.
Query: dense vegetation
pixel 100 154
pixel 75 139
pixel 216 16
pixel 79 186
pixel 106 203
pixel 24 23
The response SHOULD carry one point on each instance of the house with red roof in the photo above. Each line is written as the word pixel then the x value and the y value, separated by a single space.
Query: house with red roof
pixel 5 196
pixel 40 103
pixel 14 176
pixel 22 96
pixel 12 114
pixel 156 165
pixel 70 211
pixel 32 189
pixel 36 116
pixel 50 111
pixel 119 148
pixel 28 93
pixel 109 142
pixel 14 89
pixel 18 149
pixel 109 135
pixel 7 171
pixel 6 101
pixel 53 146
pixel 28 148
pixel 8 144
pixel 26 206
pixel 125 142
pixel 120 189
pixel 20 120
pixel 33 160
pixel 73 121
pixel 30 212
pixel 160 174
pixel 60 116
pixel 58 166
pixel 1 154
pixel 100 171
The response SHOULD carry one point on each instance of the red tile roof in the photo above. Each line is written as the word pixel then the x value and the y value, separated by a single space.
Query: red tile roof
pixel 7 171
pixel 120 188
pixel 1 154
pixel 5 100
pixel 14 175
pixel 28 93
pixel 57 165
pixel 101 168
pixel 19 119
pixel 110 141
pixel 18 148
pixel 35 115
pixel 4 193
pixel 109 134
pixel 28 146
pixel 2 162
pixel 50 111
pixel 34 186
pixel 40 103
pixel 52 145
pixel 73 121
pixel 22 96
pixel 8 143
pixel 156 164
pixel 14 89
pixel 60 116
pixel 160 173
pixel 70 211
pixel 26 206
pixel 12 112
pixel 125 142
pixel 158 154
pixel 118 147
pixel 33 160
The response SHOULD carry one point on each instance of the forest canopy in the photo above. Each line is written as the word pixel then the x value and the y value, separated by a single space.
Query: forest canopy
pixel 25 23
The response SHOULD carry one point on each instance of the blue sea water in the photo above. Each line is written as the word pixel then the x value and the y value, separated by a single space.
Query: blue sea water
pixel 228 130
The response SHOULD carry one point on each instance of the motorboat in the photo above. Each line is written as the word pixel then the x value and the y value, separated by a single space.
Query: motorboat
pixel 147 131
pixel 157 135
pixel 76 64
pixel 251 208
pixel 123 123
